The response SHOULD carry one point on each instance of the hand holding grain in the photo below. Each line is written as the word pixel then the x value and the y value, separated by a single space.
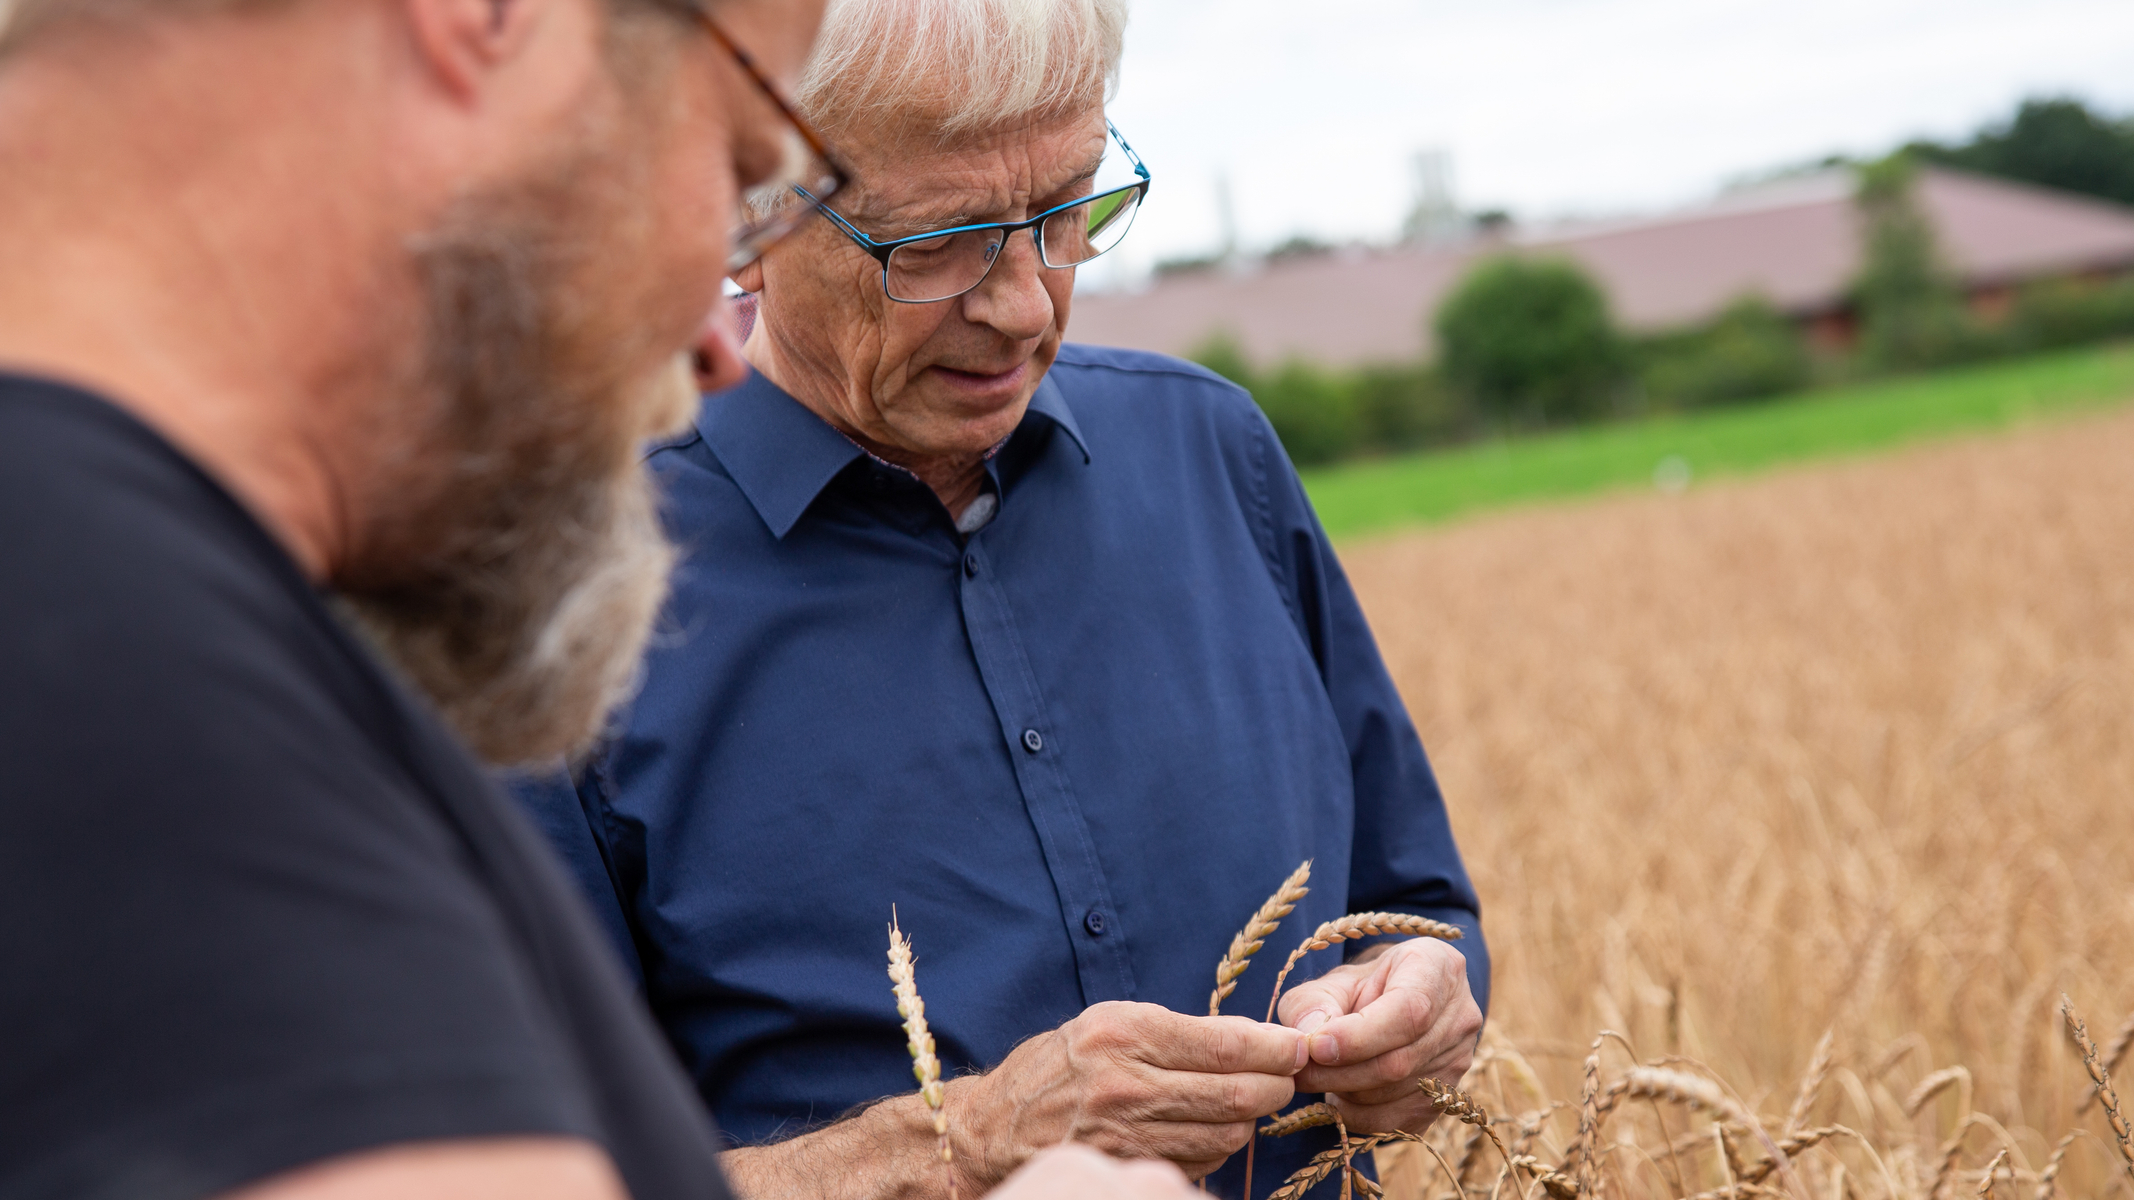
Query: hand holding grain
pixel 1135 1081
pixel 1398 1013
pixel 1071 1172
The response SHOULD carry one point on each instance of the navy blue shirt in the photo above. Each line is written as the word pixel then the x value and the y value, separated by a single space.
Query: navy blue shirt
pixel 1072 752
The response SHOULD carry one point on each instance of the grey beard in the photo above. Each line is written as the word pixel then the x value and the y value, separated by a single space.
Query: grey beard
pixel 516 564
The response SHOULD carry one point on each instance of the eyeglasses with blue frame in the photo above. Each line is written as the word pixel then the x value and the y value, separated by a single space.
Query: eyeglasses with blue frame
pixel 941 265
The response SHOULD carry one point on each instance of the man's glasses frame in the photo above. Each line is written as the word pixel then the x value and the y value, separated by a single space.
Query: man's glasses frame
pixel 881 251
pixel 752 237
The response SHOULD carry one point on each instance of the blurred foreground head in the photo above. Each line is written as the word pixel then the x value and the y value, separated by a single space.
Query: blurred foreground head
pixel 415 279
pixel 950 112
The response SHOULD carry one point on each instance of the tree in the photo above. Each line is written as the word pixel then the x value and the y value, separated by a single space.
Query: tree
pixel 2057 143
pixel 1531 340
pixel 1910 314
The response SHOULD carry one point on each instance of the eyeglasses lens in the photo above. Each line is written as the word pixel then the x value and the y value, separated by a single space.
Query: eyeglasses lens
pixel 1074 236
pixel 773 208
pixel 950 265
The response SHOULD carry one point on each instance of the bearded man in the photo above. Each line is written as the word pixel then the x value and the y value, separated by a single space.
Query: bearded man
pixel 1039 647
pixel 368 305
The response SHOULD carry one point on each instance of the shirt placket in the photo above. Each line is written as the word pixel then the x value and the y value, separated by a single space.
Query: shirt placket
pixel 1035 747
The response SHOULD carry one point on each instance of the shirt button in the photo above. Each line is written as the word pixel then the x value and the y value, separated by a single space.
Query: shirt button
pixel 1033 741
pixel 970 566
pixel 1094 923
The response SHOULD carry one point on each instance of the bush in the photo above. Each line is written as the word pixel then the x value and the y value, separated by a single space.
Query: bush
pixel 1221 355
pixel 1403 407
pixel 1749 353
pixel 1314 412
pixel 1530 340
pixel 2070 312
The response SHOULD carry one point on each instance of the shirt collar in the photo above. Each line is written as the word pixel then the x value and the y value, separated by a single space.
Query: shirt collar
pixel 782 456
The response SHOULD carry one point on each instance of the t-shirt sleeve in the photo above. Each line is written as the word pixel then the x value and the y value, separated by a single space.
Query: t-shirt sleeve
pixel 232 941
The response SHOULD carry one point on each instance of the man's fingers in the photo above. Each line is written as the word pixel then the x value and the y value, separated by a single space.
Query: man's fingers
pixel 1316 1001
pixel 1217 1099
pixel 1425 985
pixel 1214 1045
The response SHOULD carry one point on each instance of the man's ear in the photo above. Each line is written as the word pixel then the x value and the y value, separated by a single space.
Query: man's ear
pixel 462 41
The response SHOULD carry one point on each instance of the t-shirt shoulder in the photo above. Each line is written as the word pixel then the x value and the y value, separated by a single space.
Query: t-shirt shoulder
pixel 238 938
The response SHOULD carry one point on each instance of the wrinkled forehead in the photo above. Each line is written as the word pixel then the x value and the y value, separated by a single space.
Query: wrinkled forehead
pixel 909 178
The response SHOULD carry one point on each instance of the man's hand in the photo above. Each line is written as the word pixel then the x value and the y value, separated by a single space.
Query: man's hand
pixel 1133 1080
pixel 1072 1172
pixel 1399 1013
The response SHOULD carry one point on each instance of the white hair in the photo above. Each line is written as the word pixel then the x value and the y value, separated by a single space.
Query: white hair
pixel 959 66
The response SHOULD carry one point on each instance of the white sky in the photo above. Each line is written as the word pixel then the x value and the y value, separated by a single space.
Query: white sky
pixel 1549 108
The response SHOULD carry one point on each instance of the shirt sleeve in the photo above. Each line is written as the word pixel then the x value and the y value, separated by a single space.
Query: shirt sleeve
pixel 1404 858
pixel 568 812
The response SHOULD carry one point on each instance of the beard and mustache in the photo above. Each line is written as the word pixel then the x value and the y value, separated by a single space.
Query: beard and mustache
pixel 512 562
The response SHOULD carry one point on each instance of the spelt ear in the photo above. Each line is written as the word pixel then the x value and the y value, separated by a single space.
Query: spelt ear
pixel 925 1065
pixel 1255 933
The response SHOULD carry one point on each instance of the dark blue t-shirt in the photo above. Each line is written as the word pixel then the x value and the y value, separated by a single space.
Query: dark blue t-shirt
pixel 257 907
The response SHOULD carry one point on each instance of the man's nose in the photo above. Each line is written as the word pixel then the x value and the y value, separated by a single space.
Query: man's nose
pixel 1013 298
pixel 719 364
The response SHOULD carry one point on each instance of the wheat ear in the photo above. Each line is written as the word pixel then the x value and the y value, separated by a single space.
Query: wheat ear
pixel 1812 1082
pixel 1255 933
pixel 1359 925
pixel 2048 1178
pixel 1462 1107
pixel 1985 1186
pixel 1323 1163
pixel 2102 1077
pixel 1311 1116
pixel 925 1067
pixel 1589 1117
pixel 2113 1054
pixel 1934 1085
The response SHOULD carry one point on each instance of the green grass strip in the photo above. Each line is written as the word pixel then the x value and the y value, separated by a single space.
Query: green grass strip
pixel 1381 494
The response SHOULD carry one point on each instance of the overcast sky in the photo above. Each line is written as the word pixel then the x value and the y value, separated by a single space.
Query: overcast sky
pixel 1314 108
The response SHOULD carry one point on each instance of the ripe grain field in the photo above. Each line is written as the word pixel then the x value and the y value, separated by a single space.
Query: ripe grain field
pixel 1849 748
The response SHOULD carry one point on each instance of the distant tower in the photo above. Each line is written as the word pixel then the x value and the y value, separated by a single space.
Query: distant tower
pixel 1226 219
pixel 1434 216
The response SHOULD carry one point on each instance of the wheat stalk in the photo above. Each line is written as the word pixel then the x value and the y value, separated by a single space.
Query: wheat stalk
pixel 1255 933
pixel 918 1039
pixel 1359 925
pixel 2102 1078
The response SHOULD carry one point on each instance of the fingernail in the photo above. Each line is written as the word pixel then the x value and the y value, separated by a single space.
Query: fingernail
pixel 1325 1049
pixel 1304 1054
pixel 1312 1021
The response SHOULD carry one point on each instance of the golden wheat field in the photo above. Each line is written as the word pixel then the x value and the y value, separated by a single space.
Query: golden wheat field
pixel 1846 749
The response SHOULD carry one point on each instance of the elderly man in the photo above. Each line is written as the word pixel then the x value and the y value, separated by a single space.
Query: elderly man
pixel 371 301
pixel 1039 647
